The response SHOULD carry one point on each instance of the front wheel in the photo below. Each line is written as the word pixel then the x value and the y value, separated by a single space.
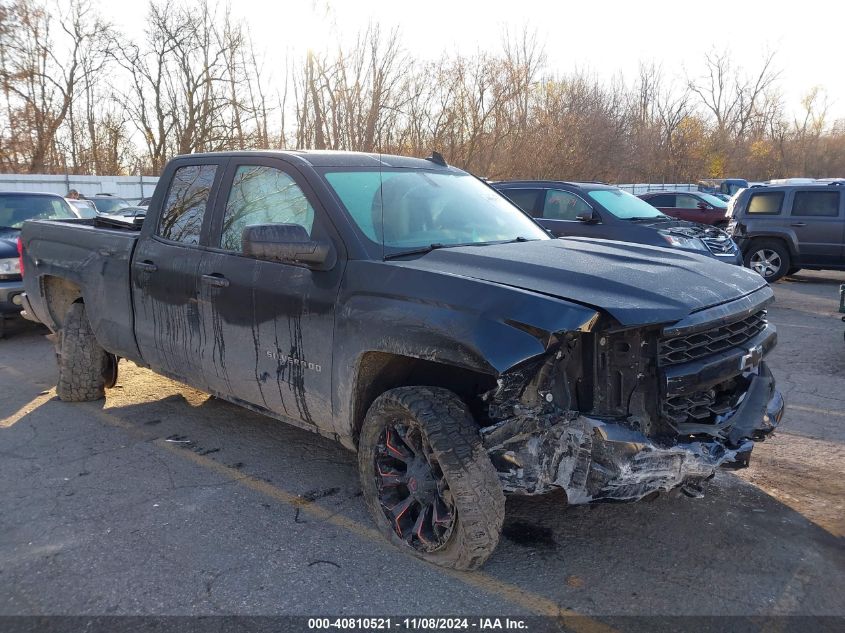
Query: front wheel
pixel 769 259
pixel 427 480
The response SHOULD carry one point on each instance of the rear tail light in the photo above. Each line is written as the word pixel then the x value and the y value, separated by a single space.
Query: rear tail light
pixel 20 254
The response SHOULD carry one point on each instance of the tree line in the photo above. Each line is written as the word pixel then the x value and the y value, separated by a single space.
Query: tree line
pixel 81 97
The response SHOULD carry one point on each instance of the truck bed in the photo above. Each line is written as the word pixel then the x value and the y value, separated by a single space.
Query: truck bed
pixel 94 259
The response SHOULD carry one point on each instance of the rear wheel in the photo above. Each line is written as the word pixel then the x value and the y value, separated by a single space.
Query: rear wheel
pixel 85 368
pixel 427 480
pixel 770 259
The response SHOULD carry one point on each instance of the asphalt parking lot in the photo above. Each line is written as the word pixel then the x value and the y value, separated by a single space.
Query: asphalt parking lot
pixel 163 500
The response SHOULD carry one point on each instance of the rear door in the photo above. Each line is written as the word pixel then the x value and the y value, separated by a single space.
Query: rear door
pixel 269 325
pixel 558 214
pixel 816 217
pixel 164 273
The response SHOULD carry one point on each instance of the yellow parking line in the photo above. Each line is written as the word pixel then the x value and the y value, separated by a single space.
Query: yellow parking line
pixel 532 602
pixel 26 409
pixel 801 407
pixel 540 605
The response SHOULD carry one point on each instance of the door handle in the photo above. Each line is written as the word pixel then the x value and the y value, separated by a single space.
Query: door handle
pixel 147 266
pixel 798 224
pixel 218 281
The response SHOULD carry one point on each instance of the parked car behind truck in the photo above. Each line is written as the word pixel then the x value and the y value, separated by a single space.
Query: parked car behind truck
pixel 782 229
pixel 409 311
pixel 601 211
pixel 16 207
pixel 692 206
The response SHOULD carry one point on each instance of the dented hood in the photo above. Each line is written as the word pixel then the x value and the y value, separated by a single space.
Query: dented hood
pixel 634 283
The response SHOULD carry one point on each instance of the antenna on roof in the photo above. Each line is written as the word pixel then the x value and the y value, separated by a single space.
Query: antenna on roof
pixel 437 159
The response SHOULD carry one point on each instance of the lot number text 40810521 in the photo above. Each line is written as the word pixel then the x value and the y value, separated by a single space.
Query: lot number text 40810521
pixel 421 623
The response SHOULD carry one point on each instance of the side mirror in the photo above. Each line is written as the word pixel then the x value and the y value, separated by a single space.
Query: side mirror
pixel 703 206
pixel 288 244
pixel 588 217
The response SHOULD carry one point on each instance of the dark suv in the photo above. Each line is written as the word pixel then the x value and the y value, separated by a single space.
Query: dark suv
pixel 601 211
pixel 782 229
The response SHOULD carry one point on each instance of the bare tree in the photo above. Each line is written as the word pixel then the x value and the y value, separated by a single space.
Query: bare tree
pixel 44 67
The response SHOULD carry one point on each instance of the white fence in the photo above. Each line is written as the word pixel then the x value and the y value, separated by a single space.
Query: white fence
pixel 135 187
pixel 130 187
pixel 643 187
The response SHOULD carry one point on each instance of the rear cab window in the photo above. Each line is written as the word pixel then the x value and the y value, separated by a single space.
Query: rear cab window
pixel 765 203
pixel 184 209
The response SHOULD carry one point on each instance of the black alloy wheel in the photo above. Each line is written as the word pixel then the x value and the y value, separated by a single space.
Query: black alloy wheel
pixel 412 490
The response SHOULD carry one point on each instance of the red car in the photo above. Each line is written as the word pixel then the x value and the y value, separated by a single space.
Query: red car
pixel 693 206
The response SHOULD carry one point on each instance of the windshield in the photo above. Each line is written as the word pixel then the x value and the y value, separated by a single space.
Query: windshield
pixel 109 205
pixel 417 208
pixel 17 209
pixel 716 202
pixel 84 208
pixel 624 205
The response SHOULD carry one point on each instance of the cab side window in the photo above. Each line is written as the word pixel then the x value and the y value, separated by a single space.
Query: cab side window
pixel 187 199
pixel 562 205
pixel 263 195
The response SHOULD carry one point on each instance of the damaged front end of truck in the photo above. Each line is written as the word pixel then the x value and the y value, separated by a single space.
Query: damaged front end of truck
pixel 619 413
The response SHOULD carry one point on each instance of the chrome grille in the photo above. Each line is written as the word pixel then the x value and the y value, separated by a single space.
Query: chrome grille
pixel 683 349
pixel 722 245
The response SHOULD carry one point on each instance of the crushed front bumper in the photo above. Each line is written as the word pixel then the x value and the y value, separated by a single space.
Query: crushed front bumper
pixel 537 451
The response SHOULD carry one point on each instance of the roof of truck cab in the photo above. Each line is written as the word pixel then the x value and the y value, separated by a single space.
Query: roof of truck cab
pixel 332 158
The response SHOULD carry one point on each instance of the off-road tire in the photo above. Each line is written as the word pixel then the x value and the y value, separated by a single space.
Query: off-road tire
pixel 780 251
pixel 85 368
pixel 456 444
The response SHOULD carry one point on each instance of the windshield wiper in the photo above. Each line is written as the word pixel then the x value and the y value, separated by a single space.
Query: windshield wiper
pixel 649 217
pixel 437 245
pixel 419 251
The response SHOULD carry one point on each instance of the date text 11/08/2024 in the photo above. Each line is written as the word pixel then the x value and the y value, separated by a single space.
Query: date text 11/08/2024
pixel 424 623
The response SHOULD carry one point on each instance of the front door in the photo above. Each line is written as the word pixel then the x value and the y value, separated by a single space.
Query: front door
pixel 164 273
pixel 270 325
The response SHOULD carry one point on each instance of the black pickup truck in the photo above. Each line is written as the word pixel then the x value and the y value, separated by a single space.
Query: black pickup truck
pixel 412 313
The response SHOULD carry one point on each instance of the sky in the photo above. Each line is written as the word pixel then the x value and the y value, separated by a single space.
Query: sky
pixel 603 37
